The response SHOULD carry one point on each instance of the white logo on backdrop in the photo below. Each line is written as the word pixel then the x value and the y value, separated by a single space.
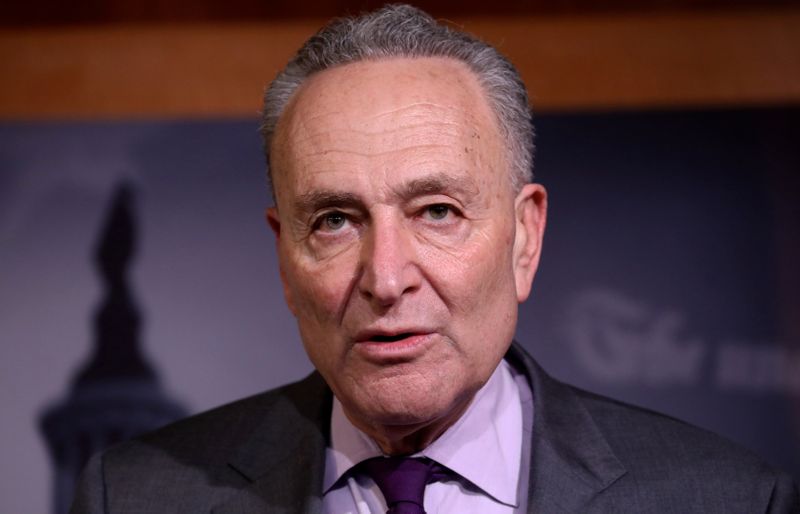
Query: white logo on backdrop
pixel 616 339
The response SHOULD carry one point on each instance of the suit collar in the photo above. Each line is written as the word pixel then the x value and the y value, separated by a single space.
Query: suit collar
pixel 571 461
pixel 289 443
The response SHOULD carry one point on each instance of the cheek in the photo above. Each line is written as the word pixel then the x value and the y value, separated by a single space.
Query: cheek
pixel 319 291
pixel 483 305
pixel 479 289
pixel 480 272
pixel 319 294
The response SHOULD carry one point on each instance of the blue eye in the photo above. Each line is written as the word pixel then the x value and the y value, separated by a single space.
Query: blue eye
pixel 438 211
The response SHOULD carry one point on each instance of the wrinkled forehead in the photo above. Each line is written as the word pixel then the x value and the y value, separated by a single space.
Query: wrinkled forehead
pixel 431 79
pixel 356 107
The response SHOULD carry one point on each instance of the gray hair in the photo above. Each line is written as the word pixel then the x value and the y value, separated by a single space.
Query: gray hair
pixel 405 31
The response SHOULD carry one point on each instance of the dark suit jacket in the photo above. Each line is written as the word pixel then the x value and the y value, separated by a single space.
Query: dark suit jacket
pixel 265 454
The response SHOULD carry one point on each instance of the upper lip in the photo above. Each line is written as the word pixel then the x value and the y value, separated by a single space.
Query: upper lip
pixel 373 334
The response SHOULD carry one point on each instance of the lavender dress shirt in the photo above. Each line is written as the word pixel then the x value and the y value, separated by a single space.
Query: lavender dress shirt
pixel 485 447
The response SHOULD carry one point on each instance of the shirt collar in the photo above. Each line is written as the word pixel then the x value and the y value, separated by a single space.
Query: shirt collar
pixel 484 446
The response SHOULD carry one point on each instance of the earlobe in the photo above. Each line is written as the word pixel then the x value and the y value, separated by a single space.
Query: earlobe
pixel 530 214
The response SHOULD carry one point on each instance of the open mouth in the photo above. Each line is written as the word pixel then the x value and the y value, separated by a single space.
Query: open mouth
pixel 386 348
pixel 391 338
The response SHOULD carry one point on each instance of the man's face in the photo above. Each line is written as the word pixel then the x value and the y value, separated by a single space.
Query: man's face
pixel 399 237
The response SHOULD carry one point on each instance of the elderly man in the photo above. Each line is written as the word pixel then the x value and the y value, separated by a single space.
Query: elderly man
pixel 408 231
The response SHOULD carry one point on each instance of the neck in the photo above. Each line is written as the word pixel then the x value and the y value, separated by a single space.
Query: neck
pixel 406 439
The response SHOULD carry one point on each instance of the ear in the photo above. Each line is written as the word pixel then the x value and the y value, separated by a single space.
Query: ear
pixel 530 215
pixel 274 220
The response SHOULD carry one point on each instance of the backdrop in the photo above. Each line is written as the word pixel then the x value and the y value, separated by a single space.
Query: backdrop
pixel 139 252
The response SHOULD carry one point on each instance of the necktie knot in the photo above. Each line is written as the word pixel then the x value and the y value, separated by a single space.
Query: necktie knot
pixel 402 481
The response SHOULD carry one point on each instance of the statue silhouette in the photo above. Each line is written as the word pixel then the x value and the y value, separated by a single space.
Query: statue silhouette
pixel 116 395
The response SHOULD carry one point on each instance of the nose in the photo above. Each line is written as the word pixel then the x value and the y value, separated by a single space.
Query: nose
pixel 389 265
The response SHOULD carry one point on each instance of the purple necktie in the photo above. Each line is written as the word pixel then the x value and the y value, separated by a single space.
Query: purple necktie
pixel 402 481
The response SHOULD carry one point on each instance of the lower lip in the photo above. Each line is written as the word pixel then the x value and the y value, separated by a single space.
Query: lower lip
pixel 404 349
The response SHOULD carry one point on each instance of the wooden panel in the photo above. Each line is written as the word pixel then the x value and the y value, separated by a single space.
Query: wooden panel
pixel 142 71
pixel 568 63
pixel 59 12
pixel 654 61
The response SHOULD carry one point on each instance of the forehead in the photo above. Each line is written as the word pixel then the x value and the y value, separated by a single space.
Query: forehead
pixel 428 112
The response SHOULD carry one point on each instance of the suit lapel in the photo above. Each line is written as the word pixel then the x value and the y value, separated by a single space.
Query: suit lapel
pixel 571 461
pixel 283 460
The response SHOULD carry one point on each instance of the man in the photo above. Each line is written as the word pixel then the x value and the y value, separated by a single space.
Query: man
pixel 408 231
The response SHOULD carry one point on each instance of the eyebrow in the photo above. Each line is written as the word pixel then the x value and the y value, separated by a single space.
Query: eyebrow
pixel 439 183
pixel 316 200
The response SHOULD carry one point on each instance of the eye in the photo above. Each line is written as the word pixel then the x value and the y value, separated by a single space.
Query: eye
pixel 331 221
pixel 438 211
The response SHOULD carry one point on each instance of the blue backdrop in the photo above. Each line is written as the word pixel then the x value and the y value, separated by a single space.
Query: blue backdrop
pixel 669 277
